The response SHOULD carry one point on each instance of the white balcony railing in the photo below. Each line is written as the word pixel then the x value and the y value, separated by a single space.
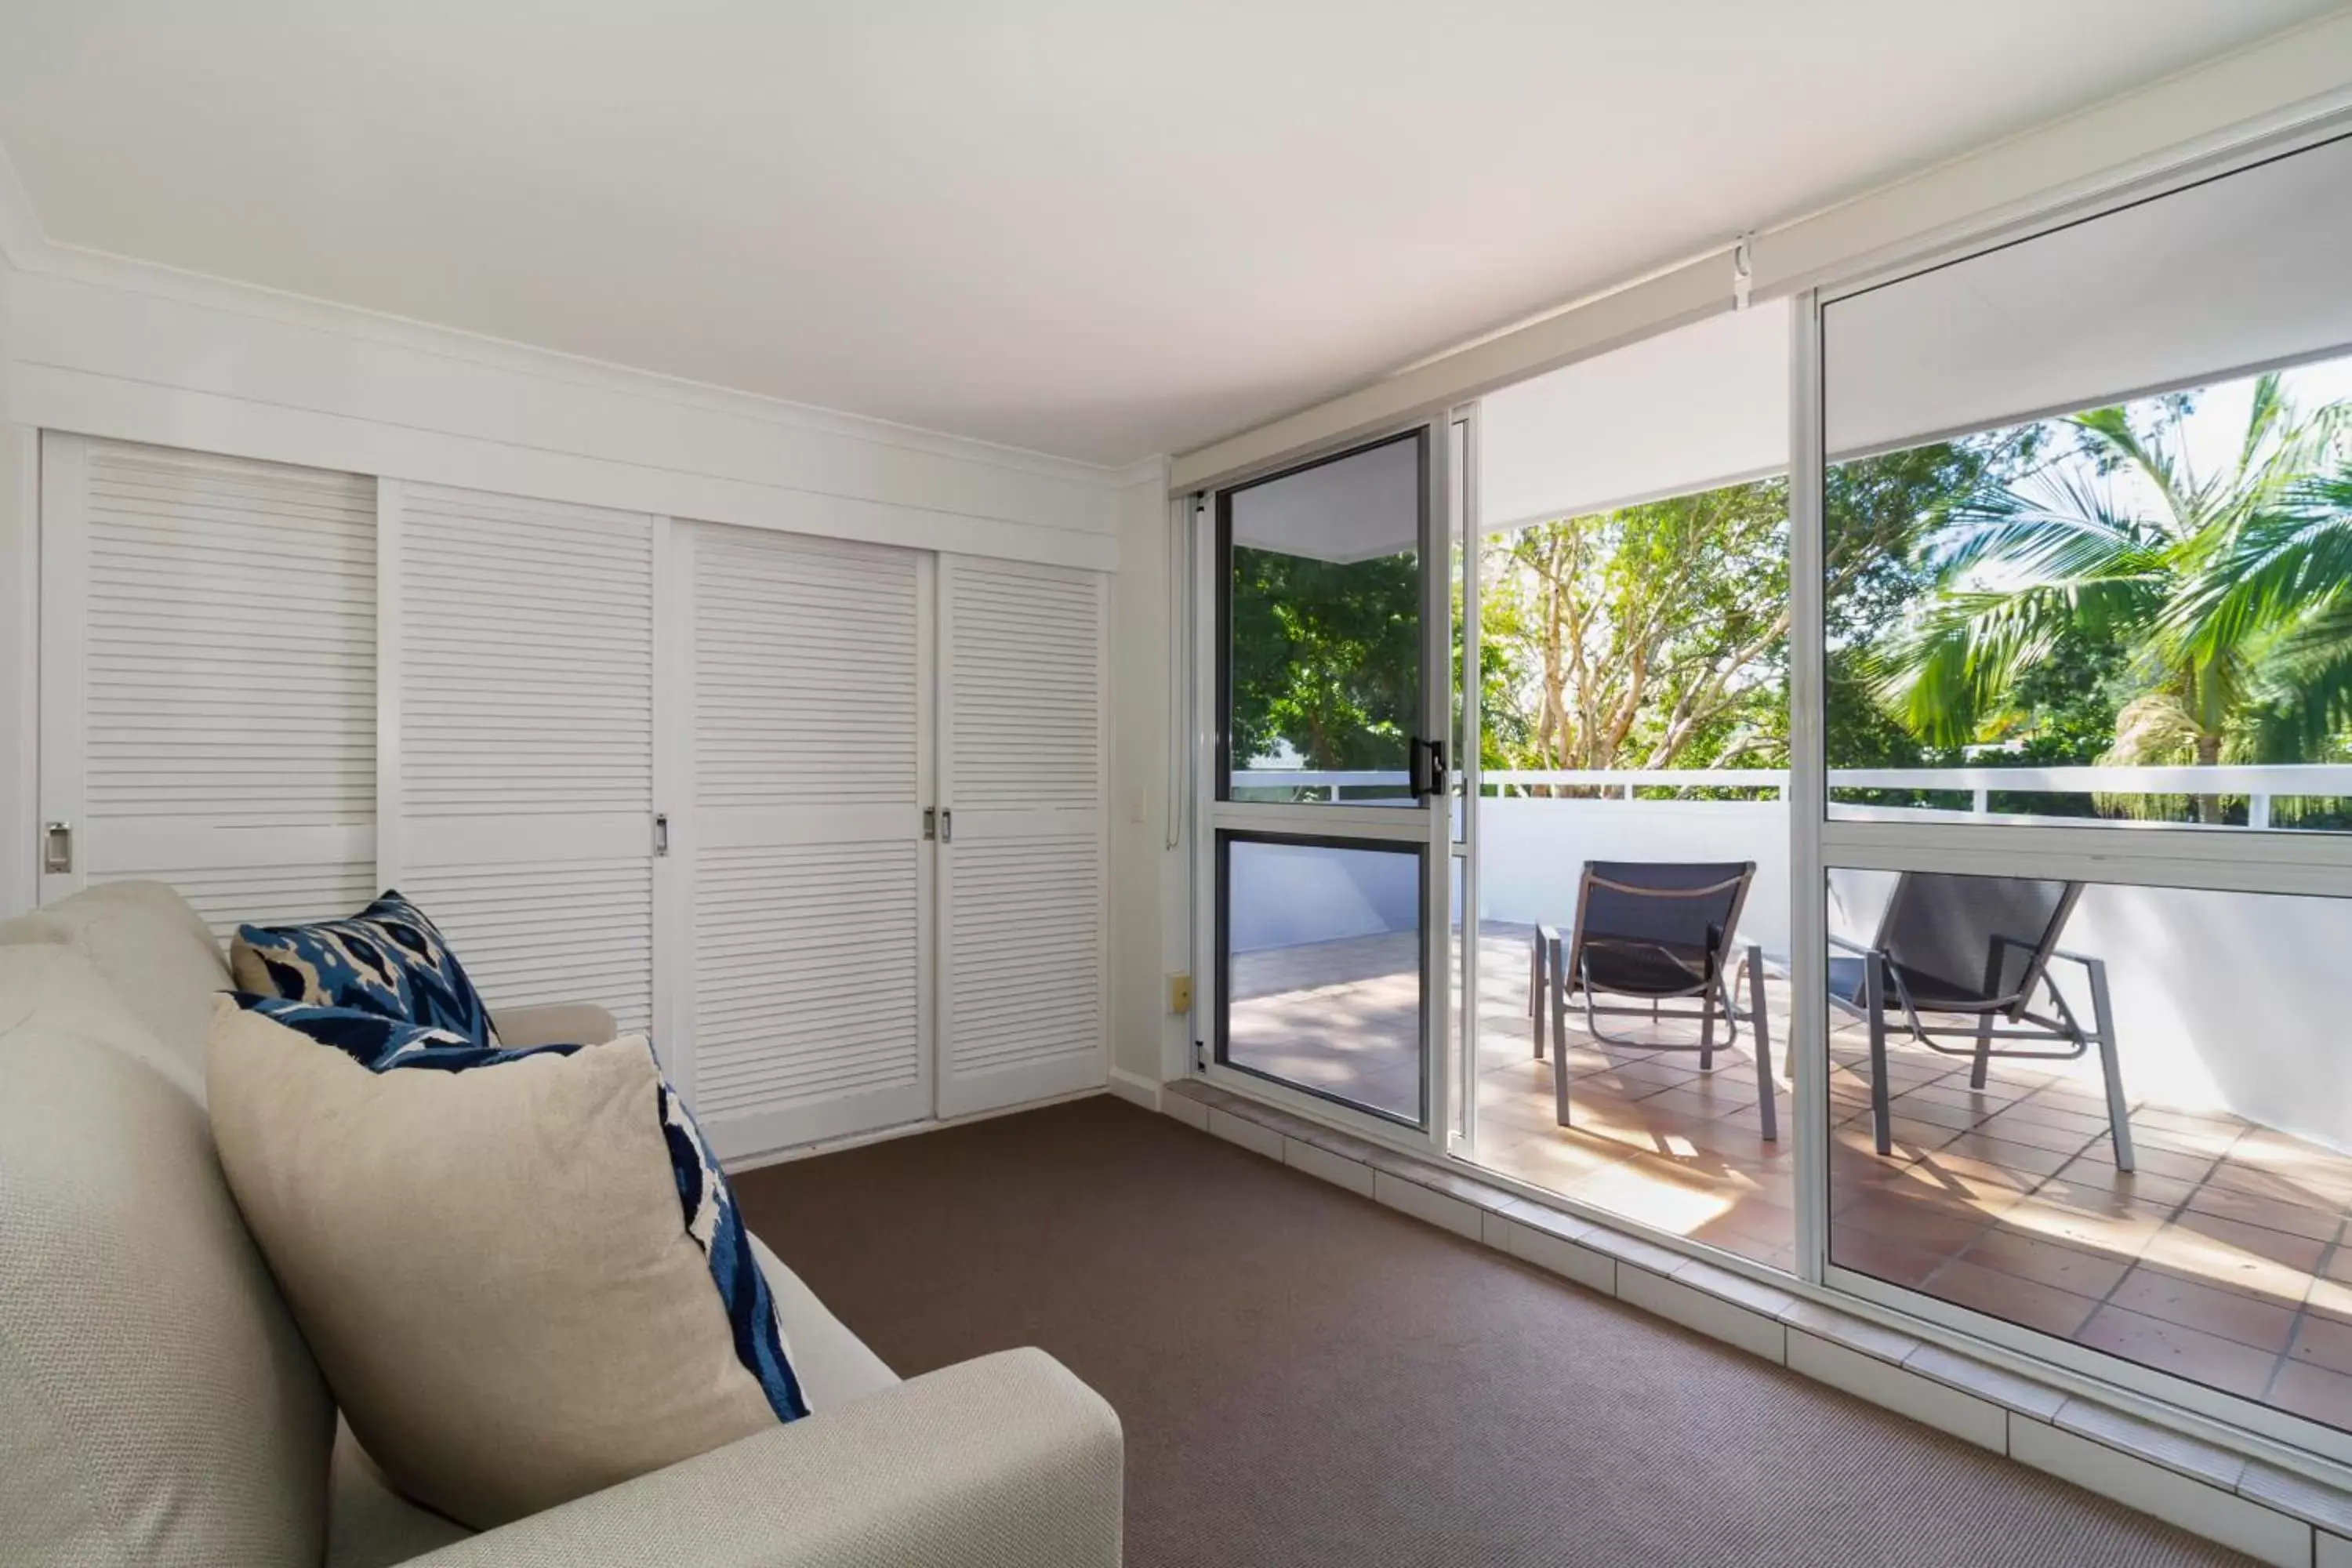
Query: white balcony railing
pixel 2259 785
pixel 2222 999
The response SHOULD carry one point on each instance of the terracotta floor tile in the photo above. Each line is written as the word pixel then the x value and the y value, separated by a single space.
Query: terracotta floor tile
pixel 2218 1261
pixel 2153 1293
pixel 2015 1251
pixel 2299 1253
pixel 2210 1144
pixel 1914 1106
pixel 2303 1186
pixel 1703 1100
pixel 1884 1258
pixel 1921 1220
pixel 2324 1341
pixel 2097 1172
pixel 2001 1152
pixel 2317 1224
pixel 2184 1352
pixel 2166 1163
pixel 2068 1141
pixel 2050 1114
pixel 2117 1227
pixel 1984 1186
pixel 2009 1298
pixel 2313 1392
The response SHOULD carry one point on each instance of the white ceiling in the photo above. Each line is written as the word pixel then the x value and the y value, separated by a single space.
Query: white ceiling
pixel 1101 229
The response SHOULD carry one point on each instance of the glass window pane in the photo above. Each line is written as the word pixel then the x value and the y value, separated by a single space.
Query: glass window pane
pixel 2088 517
pixel 2138 612
pixel 2210 1250
pixel 1323 629
pixel 1322 969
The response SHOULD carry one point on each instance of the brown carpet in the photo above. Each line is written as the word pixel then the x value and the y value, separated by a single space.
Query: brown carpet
pixel 1309 1378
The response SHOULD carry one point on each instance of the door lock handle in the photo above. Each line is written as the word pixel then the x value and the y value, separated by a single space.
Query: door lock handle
pixel 1432 755
pixel 57 848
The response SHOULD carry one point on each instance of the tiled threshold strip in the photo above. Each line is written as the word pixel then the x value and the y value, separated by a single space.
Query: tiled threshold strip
pixel 2264 1511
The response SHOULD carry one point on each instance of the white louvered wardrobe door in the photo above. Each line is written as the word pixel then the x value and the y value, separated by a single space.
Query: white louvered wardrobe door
pixel 208 651
pixel 1022 773
pixel 809 881
pixel 524 646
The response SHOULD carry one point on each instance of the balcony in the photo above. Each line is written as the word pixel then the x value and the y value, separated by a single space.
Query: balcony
pixel 2215 1259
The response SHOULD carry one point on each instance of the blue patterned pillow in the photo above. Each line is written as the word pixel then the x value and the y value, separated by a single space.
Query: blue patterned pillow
pixel 388 960
pixel 706 1203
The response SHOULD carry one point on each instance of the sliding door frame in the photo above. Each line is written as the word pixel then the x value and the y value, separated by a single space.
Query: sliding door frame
pixel 2245 862
pixel 1425 825
pixel 2161 856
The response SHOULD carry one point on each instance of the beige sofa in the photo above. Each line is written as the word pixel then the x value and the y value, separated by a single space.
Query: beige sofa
pixel 158 1407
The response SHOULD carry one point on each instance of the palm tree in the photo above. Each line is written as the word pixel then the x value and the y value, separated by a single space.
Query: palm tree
pixel 2232 591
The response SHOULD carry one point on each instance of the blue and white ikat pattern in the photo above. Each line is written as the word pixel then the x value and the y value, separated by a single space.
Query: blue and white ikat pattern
pixel 388 960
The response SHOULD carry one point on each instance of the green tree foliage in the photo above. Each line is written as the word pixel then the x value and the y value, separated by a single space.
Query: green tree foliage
pixel 1325 659
pixel 1654 635
pixel 2210 611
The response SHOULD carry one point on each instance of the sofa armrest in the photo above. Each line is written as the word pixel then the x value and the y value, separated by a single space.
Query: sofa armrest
pixel 555 1024
pixel 1006 1461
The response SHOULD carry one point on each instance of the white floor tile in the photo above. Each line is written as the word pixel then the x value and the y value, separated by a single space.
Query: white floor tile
pixel 1321 1163
pixel 1906 1394
pixel 1708 1314
pixel 1406 1197
pixel 2208 1511
pixel 1257 1140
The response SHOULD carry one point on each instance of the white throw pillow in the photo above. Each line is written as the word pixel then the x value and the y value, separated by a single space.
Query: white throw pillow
pixel 504 1271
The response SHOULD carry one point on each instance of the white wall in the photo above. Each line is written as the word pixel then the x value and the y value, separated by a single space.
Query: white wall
pixel 1285 894
pixel 19 634
pixel 1149 884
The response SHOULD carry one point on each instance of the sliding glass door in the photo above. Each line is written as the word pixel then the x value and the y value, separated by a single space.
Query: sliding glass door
pixel 2081 678
pixel 1329 822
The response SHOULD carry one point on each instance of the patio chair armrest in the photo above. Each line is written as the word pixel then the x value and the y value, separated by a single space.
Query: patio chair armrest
pixel 1864 949
pixel 2084 959
pixel 1005 1459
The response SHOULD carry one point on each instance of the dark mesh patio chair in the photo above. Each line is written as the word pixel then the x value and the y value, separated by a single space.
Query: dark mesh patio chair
pixel 1653 931
pixel 1979 948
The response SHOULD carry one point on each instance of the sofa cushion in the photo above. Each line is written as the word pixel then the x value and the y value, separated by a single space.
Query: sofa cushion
pixel 388 959
pixel 507 1272
pixel 369 1525
pixel 161 960
pixel 833 1365
pixel 157 1407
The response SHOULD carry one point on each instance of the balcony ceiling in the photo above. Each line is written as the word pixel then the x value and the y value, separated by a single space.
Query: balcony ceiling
pixel 1101 231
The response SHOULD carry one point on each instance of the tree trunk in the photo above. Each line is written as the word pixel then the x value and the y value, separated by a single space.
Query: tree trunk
pixel 2208 754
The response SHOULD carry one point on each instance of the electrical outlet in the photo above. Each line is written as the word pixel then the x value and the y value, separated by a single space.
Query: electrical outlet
pixel 1179 994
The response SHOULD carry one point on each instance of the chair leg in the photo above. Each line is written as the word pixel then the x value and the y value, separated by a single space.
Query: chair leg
pixel 1557 957
pixel 2103 1019
pixel 1536 1019
pixel 1873 1008
pixel 1706 1030
pixel 1984 1021
pixel 1761 1033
